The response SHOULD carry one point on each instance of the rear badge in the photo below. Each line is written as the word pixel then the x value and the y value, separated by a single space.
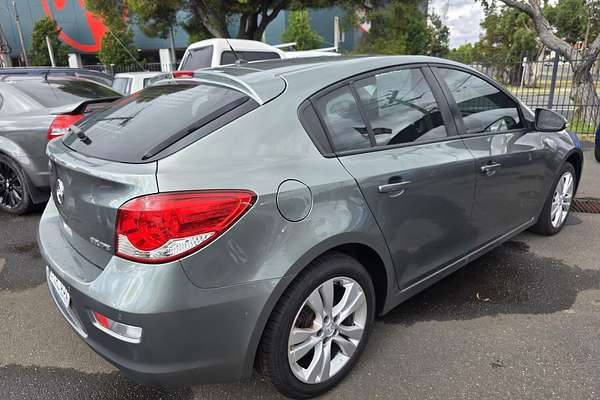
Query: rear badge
pixel 60 191
pixel 101 244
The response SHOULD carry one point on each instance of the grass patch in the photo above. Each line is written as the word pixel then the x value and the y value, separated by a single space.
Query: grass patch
pixel 582 127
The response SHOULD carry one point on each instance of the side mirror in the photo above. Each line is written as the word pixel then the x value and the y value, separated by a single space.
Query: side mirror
pixel 549 121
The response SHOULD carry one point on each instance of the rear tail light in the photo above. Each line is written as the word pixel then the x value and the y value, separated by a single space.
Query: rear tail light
pixel 183 74
pixel 61 124
pixel 119 330
pixel 164 227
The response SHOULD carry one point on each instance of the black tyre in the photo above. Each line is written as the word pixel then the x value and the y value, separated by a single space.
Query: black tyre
pixel 597 153
pixel 14 190
pixel 319 327
pixel 558 204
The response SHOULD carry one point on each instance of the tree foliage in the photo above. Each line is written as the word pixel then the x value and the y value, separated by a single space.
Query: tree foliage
pixel 38 52
pixel 571 19
pixel 400 27
pixel 117 43
pixel 299 31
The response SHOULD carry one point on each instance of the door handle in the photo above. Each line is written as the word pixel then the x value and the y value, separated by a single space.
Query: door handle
pixel 490 169
pixel 393 187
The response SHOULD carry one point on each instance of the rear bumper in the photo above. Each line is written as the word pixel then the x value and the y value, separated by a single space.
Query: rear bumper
pixel 190 335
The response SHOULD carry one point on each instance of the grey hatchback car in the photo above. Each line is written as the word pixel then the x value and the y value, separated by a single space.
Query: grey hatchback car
pixel 36 106
pixel 262 215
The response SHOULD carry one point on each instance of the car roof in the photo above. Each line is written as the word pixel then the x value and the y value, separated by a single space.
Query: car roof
pixel 308 75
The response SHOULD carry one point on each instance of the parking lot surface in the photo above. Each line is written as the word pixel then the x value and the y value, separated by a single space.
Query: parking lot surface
pixel 521 322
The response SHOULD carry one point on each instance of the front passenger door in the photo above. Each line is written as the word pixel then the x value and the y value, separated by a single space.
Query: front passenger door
pixel 510 160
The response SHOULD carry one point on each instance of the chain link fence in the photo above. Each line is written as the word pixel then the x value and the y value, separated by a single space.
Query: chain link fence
pixel 546 80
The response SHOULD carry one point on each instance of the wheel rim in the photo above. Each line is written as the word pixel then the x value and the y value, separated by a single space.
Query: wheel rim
pixel 11 187
pixel 561 201
pixel 327 330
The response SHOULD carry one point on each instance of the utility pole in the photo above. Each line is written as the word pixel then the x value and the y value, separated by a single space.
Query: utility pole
pixel 5 60
pixel 50 52
pixel 20 31
pixel 173 55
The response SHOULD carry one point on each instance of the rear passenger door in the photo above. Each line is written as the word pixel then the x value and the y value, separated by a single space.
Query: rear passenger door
pixel 510 160
pixel 395 135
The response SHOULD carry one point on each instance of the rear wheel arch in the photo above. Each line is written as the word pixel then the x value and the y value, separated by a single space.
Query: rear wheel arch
pixel 381 273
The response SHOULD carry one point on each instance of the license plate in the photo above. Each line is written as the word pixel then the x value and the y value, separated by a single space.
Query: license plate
pixel 60 289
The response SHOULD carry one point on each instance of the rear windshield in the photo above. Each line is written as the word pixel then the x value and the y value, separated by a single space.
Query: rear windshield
pixel 60 92
pixel 138 127
pixel 197 59
pixel 227 57
pixel 121 85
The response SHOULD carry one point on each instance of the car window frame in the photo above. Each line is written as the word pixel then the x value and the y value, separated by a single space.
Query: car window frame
pixel 440 98
pixel 458 118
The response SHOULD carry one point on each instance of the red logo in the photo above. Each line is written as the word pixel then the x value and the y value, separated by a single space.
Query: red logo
pixel 95 25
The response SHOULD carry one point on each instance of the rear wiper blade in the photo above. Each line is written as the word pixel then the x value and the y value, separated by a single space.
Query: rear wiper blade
pixel 80 134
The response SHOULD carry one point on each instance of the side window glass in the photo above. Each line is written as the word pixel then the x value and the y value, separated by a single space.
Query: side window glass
pixel 400 107
pixel 342 118
pixel 483 107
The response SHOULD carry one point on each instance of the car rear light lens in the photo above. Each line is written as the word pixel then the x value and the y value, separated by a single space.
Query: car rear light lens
pixel 61 124
pixel 183 74
pixel 164 227
pixel 119 330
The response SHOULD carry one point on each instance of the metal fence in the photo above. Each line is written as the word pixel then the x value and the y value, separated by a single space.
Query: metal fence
pixel 546 80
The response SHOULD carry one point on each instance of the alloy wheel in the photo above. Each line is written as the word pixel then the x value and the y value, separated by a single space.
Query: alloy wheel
pixel 561 200
pixel 327 330
pixel 11 187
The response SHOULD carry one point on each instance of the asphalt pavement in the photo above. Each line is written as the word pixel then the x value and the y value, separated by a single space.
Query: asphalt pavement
pixel 522 322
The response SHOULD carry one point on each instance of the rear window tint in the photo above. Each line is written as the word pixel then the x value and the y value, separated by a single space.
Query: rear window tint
pixel 227 57
pixel 121 85
pixel 142 125
pixel 197 59
pixel 60 92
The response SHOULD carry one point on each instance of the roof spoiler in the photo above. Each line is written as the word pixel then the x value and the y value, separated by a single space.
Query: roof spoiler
pixel 85 106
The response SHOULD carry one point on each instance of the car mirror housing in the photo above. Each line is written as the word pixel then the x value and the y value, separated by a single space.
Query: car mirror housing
pixel 549 121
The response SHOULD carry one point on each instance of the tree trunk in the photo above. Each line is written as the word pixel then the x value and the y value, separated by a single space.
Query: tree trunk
pixel 584 94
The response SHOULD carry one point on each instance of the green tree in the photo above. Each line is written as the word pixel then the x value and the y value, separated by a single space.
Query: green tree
pixel 212 16
pixel 118 49
pixel 574 18
pixel 399 27
pixel 583 90
pixel 38 53
pixel 299 31
pixel 117 43
pixel 467 53
pixel 439 43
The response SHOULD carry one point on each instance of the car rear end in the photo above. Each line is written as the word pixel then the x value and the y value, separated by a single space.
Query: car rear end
pixel 114 241
pixel 44 109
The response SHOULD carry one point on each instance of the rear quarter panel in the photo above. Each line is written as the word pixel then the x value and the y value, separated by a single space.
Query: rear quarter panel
pixel 258 152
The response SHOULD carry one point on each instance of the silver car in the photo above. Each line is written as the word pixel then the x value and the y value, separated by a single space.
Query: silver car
pixel 37 106
pixel 262 215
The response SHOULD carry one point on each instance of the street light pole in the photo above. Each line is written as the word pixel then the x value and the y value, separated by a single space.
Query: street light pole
pixel 20 31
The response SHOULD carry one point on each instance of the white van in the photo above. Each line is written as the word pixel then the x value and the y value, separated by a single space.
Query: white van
pixel 215 52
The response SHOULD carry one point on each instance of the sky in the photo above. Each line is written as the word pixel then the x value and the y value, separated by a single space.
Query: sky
pixel 462 17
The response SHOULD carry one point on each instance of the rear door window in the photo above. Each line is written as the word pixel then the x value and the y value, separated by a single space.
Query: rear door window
pixel 60 92
pixel 197 59
pixel 142 125
pixel 342 118
pixel 400 107
pixel 227 57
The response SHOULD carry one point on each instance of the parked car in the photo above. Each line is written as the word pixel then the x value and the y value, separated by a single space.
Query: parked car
pixel 96 76
pixel 212 53
pixel 33 110
pixel 132 82
pixel 264 215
